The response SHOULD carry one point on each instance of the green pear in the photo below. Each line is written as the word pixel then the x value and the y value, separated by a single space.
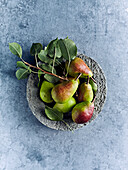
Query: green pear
pixel 65 107
pixel 62 92
pixel 82 112
pixel 93 84
pixel 78 66
pixel 85 92
pixel 45 91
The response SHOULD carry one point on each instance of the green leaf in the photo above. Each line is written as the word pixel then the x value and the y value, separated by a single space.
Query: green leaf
pixel 64 49
pixel 22 73
pixel 22 65
pixel 53 114
pixel 58 51
pixel 44 58
pixel 51 49
pixel 40 73
pixel 47 68
pixel 35 48
pixel 65 52
pixel 51 79
pixel 16 49
pixel 67 47
pixel 71 47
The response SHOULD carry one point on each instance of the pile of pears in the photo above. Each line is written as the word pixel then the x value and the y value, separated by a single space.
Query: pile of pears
pixel 75 95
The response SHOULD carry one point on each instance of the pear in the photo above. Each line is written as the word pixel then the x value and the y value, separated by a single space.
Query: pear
pixel 85 92
pixel 78 66
pixel 62 92
pixel 65 107
pixel 93 84
pixel 45 91
pixel 82 112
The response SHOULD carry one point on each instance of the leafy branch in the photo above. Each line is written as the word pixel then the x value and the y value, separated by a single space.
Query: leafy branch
pixel 51 56
pixel 23 71
pixel 46 72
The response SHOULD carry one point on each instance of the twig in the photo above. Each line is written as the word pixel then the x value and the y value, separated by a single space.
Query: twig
pixel 34 72
pixel 78 76
pixel 93 80
pixel 68 126
pixel 38 68
pixel 94 99
pixel 88 80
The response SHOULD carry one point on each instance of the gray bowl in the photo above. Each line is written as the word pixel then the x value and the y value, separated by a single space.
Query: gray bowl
pixel 37 106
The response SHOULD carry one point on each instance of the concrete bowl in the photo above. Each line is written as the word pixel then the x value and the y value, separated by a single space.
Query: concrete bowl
pixel 37 106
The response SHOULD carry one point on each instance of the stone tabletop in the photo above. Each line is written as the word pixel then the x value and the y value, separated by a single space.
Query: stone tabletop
pixel 100 30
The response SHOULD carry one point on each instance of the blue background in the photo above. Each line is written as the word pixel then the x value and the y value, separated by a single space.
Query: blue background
pixel 100 30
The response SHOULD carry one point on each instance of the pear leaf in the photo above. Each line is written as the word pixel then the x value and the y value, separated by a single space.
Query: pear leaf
pixel 44 58
pixel 51 79
pixel 22 73
pixel 71 47
pixel 16 49
pixel 53 114
pixel 48 68
pixel 64 50
pixel 51 49
pixel 35 48
pixel 22 65
pixel 58 51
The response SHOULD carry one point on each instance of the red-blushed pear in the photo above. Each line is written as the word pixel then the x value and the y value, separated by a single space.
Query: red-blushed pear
pixel 82 112
pixel 78 66
pixel 62 92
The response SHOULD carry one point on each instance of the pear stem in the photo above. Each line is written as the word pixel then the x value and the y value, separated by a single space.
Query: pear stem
pixel 93 80
pixel 67 126
pixel 78 76
pixel 88 80
pixel 94 99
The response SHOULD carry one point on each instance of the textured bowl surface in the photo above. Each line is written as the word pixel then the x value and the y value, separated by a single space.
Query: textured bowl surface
pixel 37 106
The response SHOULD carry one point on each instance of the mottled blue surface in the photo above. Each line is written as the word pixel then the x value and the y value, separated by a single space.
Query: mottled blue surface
pixel 100 30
